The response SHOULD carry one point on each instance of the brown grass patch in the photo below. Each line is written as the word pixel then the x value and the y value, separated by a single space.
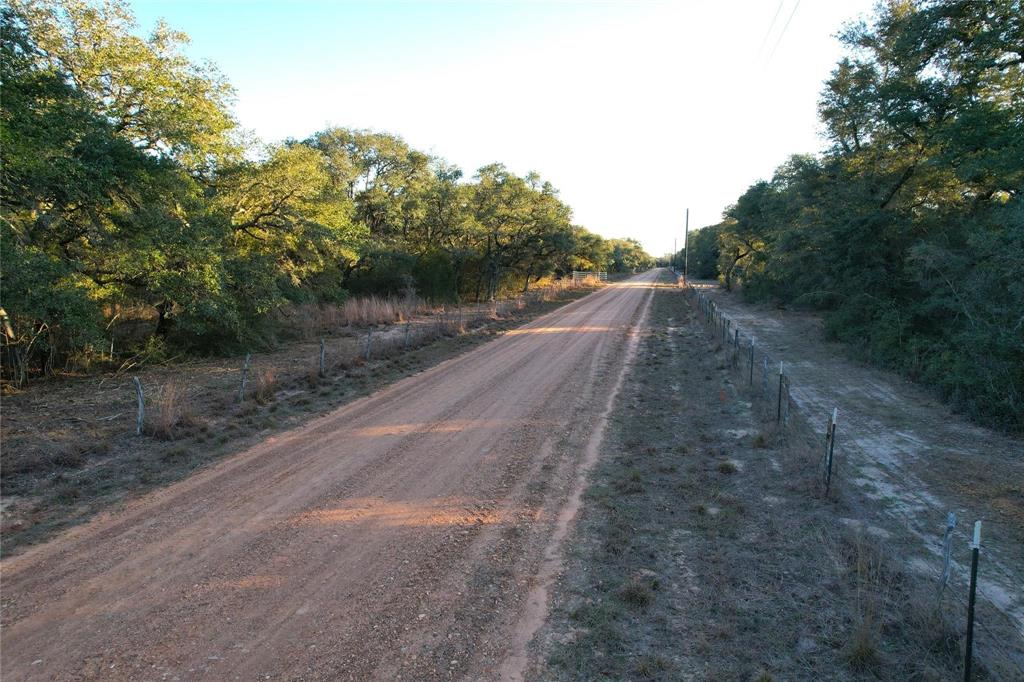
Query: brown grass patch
pixel 310 320
pixel 266 386
pixel 171 413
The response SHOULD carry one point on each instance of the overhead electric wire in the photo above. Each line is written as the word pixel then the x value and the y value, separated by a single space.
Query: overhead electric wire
pixel 764 41
pixel 783 33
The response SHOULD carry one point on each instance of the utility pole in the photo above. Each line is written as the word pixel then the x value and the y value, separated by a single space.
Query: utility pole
pixel 672 261
pixel 686 248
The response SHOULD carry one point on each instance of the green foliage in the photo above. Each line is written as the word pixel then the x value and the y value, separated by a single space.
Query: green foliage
pixel 151 94
pixel 704 252
pixel 125 184
pixel 908 231
pixel 626 255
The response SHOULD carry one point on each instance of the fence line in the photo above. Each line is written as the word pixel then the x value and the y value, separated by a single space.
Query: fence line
pixel 790 418
pixel 376 344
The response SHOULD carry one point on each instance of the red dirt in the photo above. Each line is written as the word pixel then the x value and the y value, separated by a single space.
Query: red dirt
pixel 396 537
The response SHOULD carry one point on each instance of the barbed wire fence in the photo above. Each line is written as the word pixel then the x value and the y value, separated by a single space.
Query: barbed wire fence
pixel 766 377
pixel 393 339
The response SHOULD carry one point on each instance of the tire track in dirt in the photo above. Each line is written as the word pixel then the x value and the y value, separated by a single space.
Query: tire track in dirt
pixel 536 610
pixel 355 546
pixel 907 452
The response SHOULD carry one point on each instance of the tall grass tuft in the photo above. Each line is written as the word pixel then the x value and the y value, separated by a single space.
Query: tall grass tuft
pixel 171 412
pixel 310 320
pixel 266 386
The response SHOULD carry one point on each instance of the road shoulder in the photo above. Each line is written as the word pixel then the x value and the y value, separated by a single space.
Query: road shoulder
pixel 704 552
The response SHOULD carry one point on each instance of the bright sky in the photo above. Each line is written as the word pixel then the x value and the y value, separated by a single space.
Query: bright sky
pixel 634 110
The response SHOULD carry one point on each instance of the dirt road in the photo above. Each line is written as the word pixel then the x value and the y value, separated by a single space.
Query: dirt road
pixel 397 537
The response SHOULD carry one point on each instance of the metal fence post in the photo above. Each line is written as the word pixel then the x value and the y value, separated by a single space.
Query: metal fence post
pixel 751 379
pixel 975 550
pixel 778 411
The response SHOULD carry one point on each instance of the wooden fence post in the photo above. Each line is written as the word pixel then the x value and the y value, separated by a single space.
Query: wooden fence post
pixel 141 414
pixel 947 551
pixel 245 378
pixel 830 446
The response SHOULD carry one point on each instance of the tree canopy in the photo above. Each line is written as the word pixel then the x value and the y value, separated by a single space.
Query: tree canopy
pixel 127 184
pixel 909 230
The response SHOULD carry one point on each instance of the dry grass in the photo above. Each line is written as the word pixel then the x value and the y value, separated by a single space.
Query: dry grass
pixel 171 413
pixel 266 385
pixel 372 310
pixel 867 565
pixel 310 320
pixel 727 467
pixel 639 590
pixel 756 578
pixel 51 454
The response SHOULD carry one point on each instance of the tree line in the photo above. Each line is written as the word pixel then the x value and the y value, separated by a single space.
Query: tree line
pixel 908 231
pixel 127 183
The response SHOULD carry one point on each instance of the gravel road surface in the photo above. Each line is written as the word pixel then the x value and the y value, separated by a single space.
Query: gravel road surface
pixel 395 538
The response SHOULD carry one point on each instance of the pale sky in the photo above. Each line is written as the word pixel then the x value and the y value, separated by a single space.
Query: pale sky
pixel 633 110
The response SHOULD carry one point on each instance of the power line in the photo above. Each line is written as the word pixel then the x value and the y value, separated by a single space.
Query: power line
pixel 784 30
pixel 770 27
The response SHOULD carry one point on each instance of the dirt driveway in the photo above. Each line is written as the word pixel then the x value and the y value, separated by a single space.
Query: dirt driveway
pixel 906 452
pixel 395 538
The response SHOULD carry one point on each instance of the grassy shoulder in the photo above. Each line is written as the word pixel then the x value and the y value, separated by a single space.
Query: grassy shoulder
pixel 703 552
pixel 64 461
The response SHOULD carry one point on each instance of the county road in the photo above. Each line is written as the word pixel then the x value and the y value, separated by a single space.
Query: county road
pixel 408 535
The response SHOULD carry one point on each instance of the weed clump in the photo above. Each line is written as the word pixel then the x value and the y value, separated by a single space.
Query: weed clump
pixel 266 386
pixel 175 455
pixel 638 592
pixel 652 666
pixel 171 414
